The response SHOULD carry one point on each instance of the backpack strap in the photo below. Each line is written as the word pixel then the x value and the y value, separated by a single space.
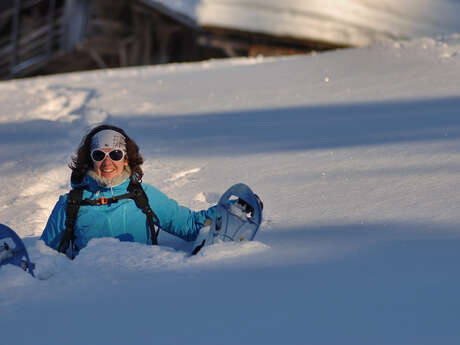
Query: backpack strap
pixel 140 198
pixel 74 201
pixel 68 238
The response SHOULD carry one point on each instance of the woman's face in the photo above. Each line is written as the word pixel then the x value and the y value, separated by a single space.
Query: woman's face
pixel 108 168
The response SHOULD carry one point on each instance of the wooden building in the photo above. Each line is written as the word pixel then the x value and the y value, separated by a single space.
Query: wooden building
pixel 55 36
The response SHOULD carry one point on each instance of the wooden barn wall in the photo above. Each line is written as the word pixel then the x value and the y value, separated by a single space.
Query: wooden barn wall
pixel 95 34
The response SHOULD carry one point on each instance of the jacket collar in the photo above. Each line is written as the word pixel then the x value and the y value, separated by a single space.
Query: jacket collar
pixel 93 182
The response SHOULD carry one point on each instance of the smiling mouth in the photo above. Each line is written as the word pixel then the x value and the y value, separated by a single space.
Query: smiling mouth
pixel 108 171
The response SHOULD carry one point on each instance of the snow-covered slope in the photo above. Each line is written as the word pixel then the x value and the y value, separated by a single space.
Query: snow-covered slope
pixel 350 22
pixel 355 154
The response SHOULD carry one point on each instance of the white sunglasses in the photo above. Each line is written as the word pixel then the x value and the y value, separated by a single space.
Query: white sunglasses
pixel 115 155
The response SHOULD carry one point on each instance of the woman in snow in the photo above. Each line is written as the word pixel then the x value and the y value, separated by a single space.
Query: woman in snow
pixel 108 199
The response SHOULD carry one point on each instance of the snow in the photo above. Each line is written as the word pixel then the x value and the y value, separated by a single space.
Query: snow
pixel 355 154
pixel 349 22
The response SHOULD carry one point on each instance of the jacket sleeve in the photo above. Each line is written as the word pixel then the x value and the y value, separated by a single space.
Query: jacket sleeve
pixel 175 219
pixel 56 224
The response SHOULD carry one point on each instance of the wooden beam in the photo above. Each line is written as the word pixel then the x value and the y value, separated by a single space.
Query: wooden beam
pixel 109 26
pixel 97 58
pixel 123 50
pixel 26 40
pixel 51 21
pixel 15 33
pixel 24 5
pixel 102 44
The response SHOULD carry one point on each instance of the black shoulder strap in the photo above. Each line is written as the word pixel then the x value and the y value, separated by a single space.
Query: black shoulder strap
pixel 142 202
pixel 74 201
pixel 72 208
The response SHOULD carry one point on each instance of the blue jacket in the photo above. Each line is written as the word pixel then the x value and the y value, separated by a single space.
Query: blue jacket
pixel 123 220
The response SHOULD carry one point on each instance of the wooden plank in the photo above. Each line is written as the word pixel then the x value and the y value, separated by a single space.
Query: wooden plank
pixel 97 58
pixel 123 50
pixel 15 33
pixel 109 26
pixel 147 46
pixel 30 3
pixel 24 41
pixel 6 13
pixel 102 44
pixel 28 64
pixel 39 43
pixel 50 27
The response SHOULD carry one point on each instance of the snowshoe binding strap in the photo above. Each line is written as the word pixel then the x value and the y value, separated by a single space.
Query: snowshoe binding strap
pixel 13 251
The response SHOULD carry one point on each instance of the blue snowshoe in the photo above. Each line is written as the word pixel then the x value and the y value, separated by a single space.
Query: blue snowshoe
pixel 13 251
pixel 237 218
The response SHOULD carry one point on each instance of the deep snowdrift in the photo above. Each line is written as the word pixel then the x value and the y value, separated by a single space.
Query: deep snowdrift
pixel 355 154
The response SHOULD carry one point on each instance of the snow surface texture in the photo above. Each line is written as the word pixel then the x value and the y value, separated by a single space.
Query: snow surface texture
pixel 349 22
pixel 355 154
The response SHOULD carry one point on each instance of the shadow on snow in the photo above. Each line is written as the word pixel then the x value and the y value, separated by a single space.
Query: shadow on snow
pixel 298 128
pixel 265 130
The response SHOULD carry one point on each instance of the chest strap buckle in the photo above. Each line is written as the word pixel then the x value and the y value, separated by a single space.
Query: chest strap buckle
pixel 102 201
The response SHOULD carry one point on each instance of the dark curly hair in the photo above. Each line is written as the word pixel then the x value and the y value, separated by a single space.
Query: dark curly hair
pixel 82 161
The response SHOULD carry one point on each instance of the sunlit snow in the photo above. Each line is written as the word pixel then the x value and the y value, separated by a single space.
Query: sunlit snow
pixel 355 154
